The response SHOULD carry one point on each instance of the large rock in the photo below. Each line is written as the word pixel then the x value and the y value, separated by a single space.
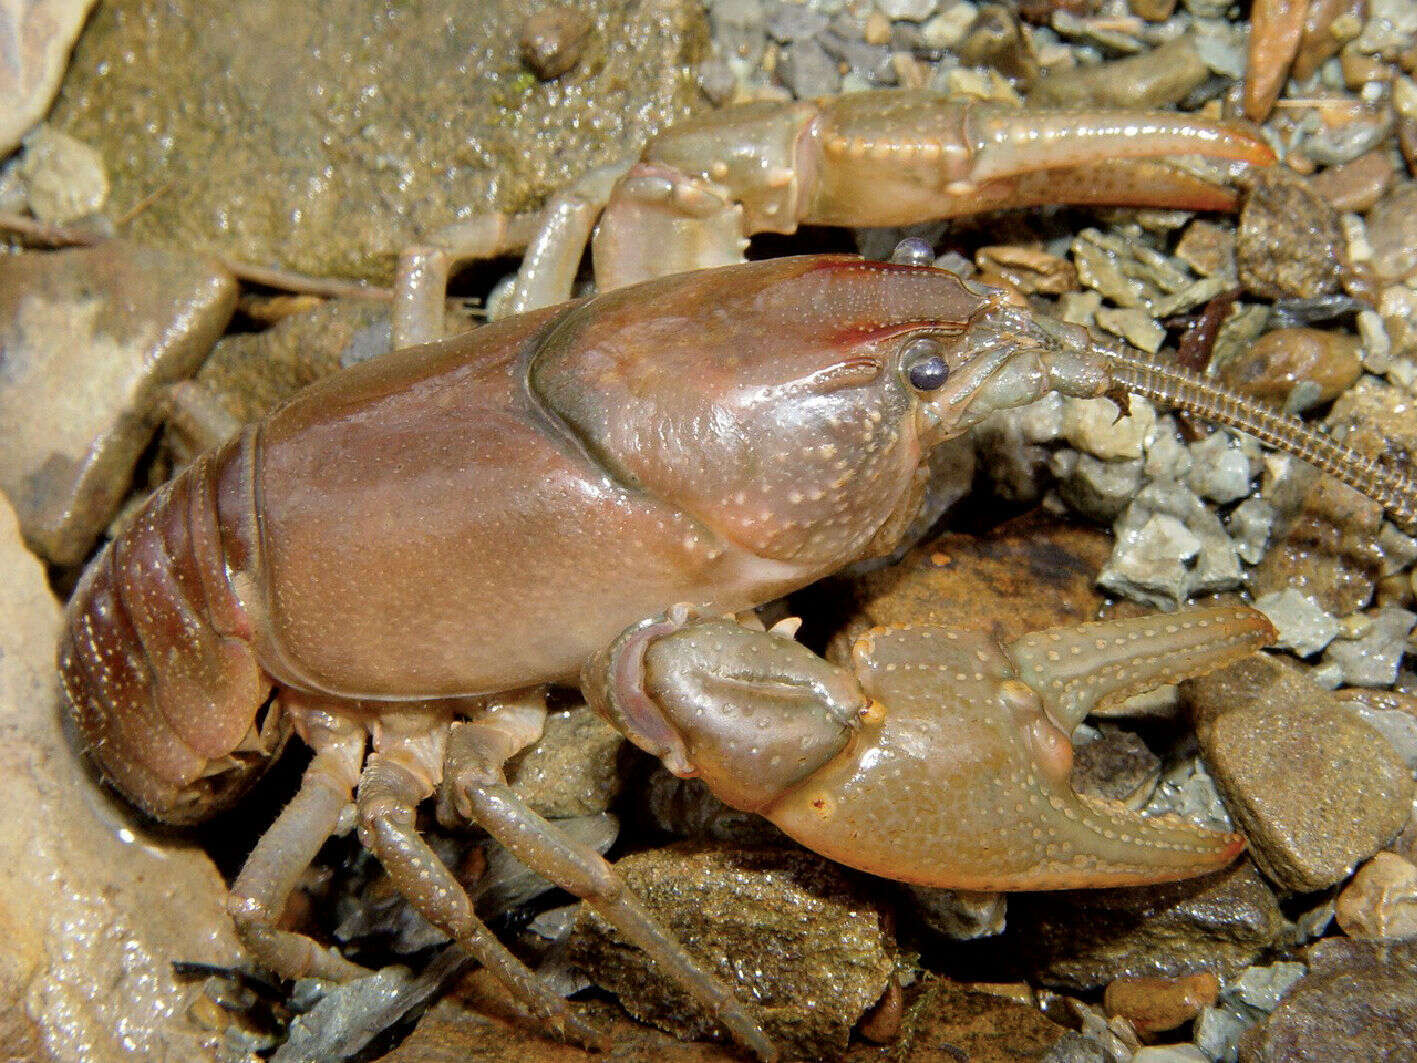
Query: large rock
pixel 35 38
pixel 1083 939
pixel 93 912
pixel 89 338
pixel 788 930
pixel 1358 1001
pixel 324 136
pixel 1029 573
pixel 1314 788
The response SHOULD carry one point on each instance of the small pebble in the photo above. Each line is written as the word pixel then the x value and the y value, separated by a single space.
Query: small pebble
pixel 1290 241
pixel 65 178
pixel 1303 625
pixel 1207 248
pixel 1220 470
pixel 1372 659
pixel 1160 77
pixel 1359 184
pixel 808 71
pixel 960 915
pixel 1155 1005
pixel 1392 229
pixel 909 10
pixel 1134 325
pixel 1271 367
pixel 1263 987
pixel 553 41
pixel 1381 901
pixel 1170 1054
pixel 1249 526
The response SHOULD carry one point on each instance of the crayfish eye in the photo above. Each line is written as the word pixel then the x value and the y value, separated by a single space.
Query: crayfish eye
pixel 923 360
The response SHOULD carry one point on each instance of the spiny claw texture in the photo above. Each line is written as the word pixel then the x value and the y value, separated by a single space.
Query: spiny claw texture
pixel 955 769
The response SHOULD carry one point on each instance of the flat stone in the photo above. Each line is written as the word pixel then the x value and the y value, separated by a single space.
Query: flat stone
pixel 1314 789
pixel 948 1022
pixel 90 338
pixel 94 909
pixel 325 137
pixel 1029 573
pixel 1084 939
pixel 1359 1001
pixel 790 930
pixel 34 47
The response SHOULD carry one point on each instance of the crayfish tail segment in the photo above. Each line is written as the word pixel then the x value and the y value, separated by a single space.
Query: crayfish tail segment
pixel 1393 489
pixel 159 677
pixel 1076 669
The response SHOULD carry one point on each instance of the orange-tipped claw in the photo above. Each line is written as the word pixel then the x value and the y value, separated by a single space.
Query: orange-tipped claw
pixel 941 758
pixel 962 781
pixel 901 157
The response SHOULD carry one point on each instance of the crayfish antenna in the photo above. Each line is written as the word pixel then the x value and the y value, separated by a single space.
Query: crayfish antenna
pixel 1394 490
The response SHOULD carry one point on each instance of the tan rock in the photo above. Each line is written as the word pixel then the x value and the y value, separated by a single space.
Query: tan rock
pixel 1270 368
pixel 35 38
pixel 1381 901
pixel 94 911
pixel 91 337
pixel 1155 1005
pixel 1314 788
pixel 1027 574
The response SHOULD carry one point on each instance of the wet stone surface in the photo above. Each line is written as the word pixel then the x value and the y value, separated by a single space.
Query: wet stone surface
pixel 34 47
pixel 962 581
pixel 1290 243
pixel 1083 939
pixel 1117 766
pixel 1358 1001
pixel 1381 901
pixel 1155 1005
pixel 390 122
pixel 94 911
pixel 573 769
pixel 1314 789
pixel 790 929
pixel 1280 360
pixel 90 339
